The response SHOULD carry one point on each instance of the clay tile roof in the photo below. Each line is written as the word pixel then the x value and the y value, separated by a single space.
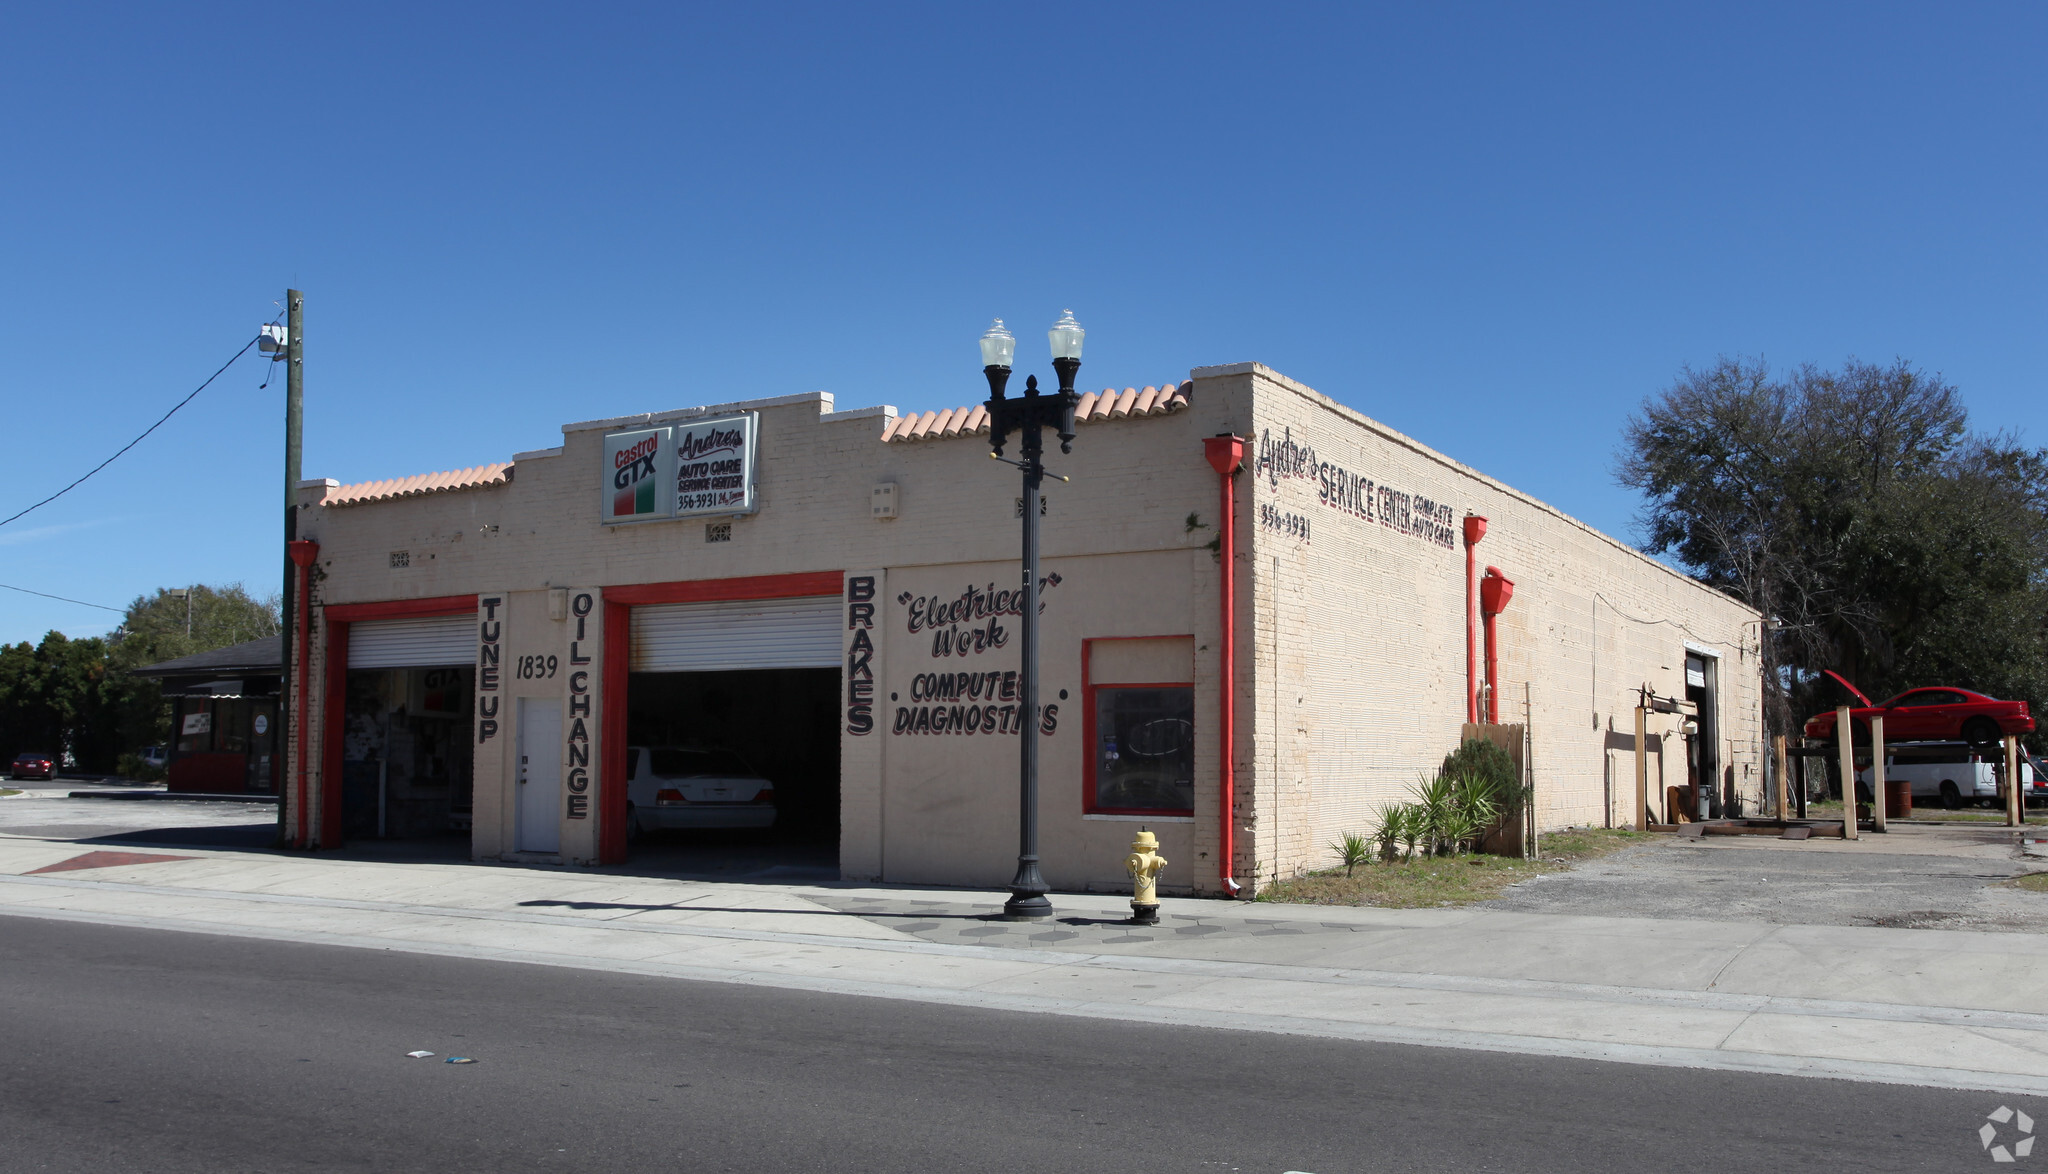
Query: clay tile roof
pixel 419 485
pixel 1107 404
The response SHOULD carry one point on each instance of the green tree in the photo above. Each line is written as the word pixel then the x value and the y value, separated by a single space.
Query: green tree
pixel 58 696
pixel 78 696
pixel 1857 510
pixel 163 626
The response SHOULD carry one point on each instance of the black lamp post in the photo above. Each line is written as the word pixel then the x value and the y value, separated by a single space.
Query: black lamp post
pixel 1030 416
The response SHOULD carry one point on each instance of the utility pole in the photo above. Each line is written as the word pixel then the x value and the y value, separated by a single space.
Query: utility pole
pixel 294 411
pixel 184 593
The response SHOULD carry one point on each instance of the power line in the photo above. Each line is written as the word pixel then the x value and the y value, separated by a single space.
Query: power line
pixel 63 598
pixel 1616 608
pixel 124 448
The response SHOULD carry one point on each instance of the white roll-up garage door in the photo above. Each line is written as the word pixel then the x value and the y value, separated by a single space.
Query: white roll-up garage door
pixel 751 634
pixel 404 644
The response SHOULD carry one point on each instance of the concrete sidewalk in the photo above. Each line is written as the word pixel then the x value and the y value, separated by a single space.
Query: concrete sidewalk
pixel 1923 1007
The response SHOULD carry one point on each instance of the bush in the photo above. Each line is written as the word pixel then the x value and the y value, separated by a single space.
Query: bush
pixel 1487 772
pixel 131 766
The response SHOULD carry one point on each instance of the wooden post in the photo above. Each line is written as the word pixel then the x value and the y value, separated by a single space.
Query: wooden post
pixel 2015 798
pixel 1805 761
pixel 1642 771
pixel 1845 747
pixel 1535 840
pixel 1877 772
pixel 1784 779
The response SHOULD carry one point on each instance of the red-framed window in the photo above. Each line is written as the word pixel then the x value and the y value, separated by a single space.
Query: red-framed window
pixel 1138 726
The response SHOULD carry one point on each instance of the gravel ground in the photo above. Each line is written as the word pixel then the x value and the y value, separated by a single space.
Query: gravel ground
pixel 1910 878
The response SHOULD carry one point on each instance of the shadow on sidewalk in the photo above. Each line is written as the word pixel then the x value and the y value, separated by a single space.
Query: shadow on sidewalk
pixel 864 914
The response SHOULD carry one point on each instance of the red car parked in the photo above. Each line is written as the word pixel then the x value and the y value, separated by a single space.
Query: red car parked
pixel 1934 714
pixel 30 764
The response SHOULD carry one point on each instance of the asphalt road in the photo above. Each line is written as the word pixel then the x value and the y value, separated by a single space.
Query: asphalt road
pixel 45 812
pixel 125 1049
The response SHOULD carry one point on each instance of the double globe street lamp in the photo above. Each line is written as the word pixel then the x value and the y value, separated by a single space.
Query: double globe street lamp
pixel 1030 416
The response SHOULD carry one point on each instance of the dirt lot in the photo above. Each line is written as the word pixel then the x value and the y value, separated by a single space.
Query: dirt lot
pixel 1913 877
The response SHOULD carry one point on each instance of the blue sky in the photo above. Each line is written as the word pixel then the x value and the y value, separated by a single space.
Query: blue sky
pixel 1497 228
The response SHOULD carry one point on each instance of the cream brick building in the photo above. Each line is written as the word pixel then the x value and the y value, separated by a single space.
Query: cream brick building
pixel 865 662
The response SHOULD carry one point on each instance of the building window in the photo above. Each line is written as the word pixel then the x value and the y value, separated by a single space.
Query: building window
pixel 1141 749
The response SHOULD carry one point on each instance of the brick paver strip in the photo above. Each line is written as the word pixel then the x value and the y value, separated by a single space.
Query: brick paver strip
pixel 104 860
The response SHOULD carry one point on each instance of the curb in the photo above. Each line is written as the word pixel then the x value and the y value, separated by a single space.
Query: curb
pixel 185 796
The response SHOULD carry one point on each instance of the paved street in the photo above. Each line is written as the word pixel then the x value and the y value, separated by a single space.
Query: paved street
pixel 1915 876
pixel 143 1050
pixel 43 811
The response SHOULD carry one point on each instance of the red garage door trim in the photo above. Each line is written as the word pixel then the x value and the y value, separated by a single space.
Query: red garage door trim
pixel 401 609
pixel 618 627
pixel 334 716
pixel 725 590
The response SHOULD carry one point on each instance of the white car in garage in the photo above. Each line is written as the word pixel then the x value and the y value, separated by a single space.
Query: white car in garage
pixel 676 787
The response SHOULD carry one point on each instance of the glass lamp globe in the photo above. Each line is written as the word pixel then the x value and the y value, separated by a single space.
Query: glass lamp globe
pixel 1066 335
pixel 998 345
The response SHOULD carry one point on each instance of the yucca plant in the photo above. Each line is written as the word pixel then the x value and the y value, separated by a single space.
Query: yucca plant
pixel 1459 827
pixel 1478 795
pixel 1414 829
pixel 1435 797
pixel 1392 825
pixel 1353 849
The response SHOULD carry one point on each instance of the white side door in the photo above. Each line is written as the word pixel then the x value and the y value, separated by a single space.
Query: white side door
pixel 540 775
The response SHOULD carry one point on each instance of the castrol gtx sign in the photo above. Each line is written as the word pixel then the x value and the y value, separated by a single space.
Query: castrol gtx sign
pixel 639 475
pixel 693 468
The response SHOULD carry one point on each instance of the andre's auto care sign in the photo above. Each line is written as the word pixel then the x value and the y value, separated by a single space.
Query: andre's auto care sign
pixel 638 476
pixel 689 469
pixel 714 464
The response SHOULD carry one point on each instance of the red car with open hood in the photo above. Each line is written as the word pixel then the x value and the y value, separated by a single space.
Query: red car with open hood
pixel 1936 713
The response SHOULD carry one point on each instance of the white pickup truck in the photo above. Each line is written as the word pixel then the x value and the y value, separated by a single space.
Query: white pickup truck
pixel 1951 773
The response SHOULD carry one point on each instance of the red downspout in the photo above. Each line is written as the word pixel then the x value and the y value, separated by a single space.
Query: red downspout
pixel 332 722
pixel 1475 529
pixel 611 746
pixel 1226 455
pixel 302 552
pixel 1494 592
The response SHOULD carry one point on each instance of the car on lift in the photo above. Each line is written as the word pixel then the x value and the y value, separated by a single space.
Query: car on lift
pixel 33 764
pixel 1937 713
pixel 672 788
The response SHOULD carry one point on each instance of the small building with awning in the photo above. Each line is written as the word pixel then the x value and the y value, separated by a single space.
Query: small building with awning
pixel 223 717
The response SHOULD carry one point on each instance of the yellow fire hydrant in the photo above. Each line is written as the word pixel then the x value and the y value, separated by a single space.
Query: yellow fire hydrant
pixel 1144 864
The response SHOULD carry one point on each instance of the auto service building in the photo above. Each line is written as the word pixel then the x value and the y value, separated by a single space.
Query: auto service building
pixel 834 596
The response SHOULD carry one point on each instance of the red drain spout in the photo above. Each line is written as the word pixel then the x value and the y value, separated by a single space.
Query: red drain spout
pixel 303 552
pixel 1226 456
